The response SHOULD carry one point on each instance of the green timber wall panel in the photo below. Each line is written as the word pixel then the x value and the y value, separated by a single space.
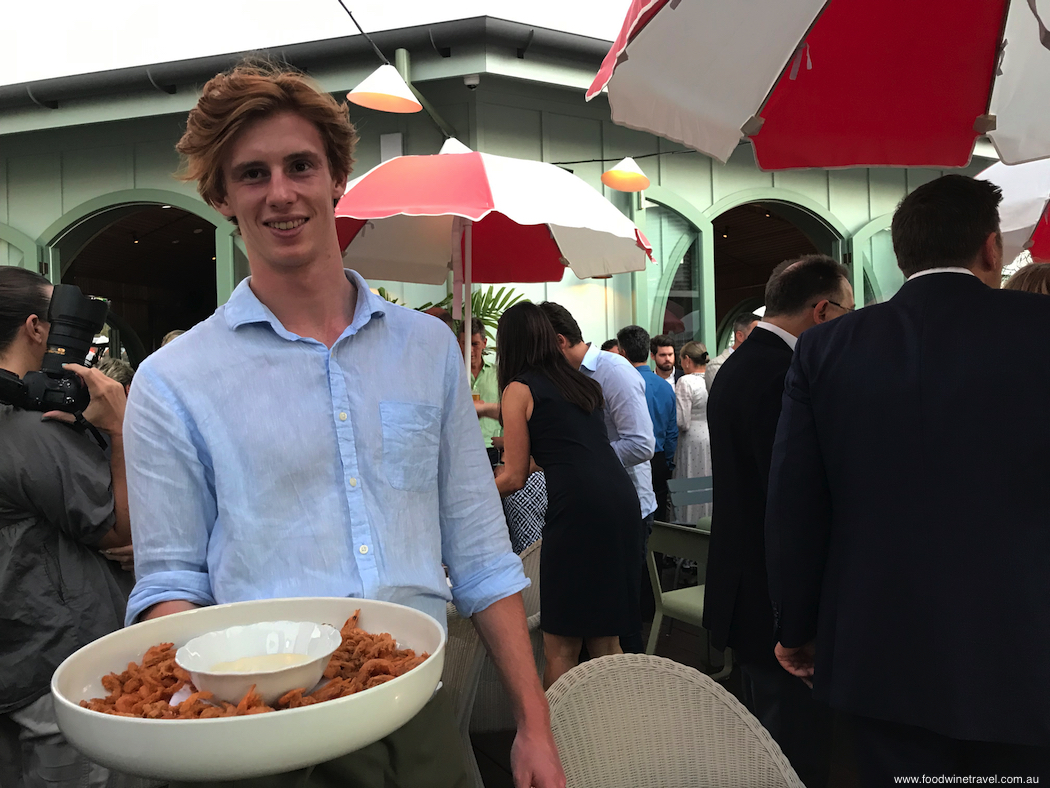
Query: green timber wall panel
pixel 84 170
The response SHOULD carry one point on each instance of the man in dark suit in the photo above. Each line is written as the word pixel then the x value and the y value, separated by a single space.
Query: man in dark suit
pixel 742 415
pixel 908 525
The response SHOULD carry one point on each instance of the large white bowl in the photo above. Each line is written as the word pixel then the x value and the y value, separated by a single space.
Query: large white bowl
pixel 314 640
pixel 240 747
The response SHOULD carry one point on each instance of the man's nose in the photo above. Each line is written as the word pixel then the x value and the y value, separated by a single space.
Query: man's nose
pixel 280 192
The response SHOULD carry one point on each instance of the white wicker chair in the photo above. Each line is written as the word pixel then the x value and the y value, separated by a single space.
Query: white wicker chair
pixel 635 720
pixel 464 658
pixel 492 710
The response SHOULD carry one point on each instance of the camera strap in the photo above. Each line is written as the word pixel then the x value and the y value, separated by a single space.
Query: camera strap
pixel 84 424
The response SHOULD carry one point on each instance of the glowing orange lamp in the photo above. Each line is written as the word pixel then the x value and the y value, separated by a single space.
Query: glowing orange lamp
pixel 626 176
pixel 384 90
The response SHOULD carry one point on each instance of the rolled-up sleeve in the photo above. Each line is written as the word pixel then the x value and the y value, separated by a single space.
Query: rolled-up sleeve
pixel 475 541
pixel 171 494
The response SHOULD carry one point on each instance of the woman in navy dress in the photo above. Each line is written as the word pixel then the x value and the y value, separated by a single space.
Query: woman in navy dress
pixel 589 568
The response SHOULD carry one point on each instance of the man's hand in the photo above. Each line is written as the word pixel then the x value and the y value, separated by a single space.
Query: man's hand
pixel 125 556
pixel 797 661
pixel 486 410
pixel 106 410
pixel 534 759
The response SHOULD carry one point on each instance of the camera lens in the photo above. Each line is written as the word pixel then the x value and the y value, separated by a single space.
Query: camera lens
pixel 75 320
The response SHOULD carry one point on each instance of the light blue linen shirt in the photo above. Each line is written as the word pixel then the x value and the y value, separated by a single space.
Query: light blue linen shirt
pixel 262 465
pixel 627 418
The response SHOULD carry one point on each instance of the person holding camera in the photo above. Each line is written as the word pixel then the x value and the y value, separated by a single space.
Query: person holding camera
pixel 61 501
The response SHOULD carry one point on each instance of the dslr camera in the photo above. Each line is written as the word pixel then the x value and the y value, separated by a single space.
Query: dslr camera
pixel 75 320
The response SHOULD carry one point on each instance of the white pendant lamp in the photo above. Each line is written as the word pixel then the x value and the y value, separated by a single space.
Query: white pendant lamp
pixel 384 90
pixel 452 145
pixel 626 176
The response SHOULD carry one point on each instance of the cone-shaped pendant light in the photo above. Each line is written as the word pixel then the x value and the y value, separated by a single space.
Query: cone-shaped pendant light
pixel 626 176
pixel 386 91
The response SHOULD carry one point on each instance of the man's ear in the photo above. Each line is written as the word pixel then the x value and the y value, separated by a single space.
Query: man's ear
pixel 992 252
pixel 820 311
pixel 563 343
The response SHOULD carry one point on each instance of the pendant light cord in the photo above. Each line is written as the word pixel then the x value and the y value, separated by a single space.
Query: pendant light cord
pixel 369 40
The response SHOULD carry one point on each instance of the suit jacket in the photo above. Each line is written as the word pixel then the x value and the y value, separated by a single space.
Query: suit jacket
pixel 742 413
pixel 908 527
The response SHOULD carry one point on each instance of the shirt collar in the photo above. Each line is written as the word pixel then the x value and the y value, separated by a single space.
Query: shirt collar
pixel 590 358
pixel 950 269
pixel 244 307
pixel 791 339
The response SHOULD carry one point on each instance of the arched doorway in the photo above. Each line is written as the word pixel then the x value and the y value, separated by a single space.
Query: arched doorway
pixel 155 264
pixel 750 240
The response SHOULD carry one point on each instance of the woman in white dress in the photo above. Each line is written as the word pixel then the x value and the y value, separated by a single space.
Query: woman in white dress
pixel 693 457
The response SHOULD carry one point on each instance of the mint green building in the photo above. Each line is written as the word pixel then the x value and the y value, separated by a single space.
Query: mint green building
pixel 87 193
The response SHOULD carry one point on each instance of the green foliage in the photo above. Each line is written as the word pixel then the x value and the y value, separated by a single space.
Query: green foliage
pixel 384 294
pixel 486 305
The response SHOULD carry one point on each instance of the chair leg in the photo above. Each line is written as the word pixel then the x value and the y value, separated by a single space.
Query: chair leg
pixel 654 633
pixel 727 666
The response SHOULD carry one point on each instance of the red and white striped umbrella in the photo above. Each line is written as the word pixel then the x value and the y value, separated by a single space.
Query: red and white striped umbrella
pixel 1024 215
pixel 487 218
pixel 836 83
pixel 528 220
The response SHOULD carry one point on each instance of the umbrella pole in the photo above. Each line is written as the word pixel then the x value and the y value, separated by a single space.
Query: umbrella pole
pixel 467 300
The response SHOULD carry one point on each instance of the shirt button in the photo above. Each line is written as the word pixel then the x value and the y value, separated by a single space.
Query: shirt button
pixel 353 482
pixel 363 549
pixel 342 417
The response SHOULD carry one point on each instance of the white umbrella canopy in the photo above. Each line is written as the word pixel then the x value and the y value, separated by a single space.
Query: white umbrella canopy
pixel 836 83
pixel 1023 214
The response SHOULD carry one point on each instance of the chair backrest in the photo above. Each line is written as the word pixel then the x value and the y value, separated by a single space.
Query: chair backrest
pixel 679 541
pixel 632 720
pixel 530 561
pixel 694 490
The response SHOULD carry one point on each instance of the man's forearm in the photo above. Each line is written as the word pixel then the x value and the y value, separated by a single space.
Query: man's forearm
pixel 167 608
pixel 505 633
pixel 122 523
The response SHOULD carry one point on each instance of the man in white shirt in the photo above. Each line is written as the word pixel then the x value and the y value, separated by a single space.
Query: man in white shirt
pixel 626 419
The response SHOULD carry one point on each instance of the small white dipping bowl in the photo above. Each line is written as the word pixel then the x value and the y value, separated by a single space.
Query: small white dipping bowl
pixel 200 656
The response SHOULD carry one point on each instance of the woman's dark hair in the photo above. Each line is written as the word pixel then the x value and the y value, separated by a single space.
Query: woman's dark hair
pixel 22 293
pixel 526 342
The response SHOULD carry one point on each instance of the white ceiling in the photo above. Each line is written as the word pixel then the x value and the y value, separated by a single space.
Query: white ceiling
pixel 64 37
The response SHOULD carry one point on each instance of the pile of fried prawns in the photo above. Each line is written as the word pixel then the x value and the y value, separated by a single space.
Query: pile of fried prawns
pixel 361 662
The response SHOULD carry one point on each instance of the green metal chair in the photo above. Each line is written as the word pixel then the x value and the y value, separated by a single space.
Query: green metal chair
pixel 683 604
pixel 693 490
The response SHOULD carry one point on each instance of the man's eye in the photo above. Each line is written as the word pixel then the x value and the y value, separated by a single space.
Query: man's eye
pixel 251 175
pixel 301 166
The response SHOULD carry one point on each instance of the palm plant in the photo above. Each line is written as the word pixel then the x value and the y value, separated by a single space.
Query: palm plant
pixel 486 305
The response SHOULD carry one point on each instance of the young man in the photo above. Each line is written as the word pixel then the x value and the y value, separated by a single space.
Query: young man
pixel 269 458
pixel 742 414
pixel 484 387
pixel 663 411
pixel 907 528
pixel 662 351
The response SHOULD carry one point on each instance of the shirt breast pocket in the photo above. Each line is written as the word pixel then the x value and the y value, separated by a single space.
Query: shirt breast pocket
pixel 411 440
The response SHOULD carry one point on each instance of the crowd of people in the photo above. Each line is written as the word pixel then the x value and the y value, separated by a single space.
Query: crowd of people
pixel 878 535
